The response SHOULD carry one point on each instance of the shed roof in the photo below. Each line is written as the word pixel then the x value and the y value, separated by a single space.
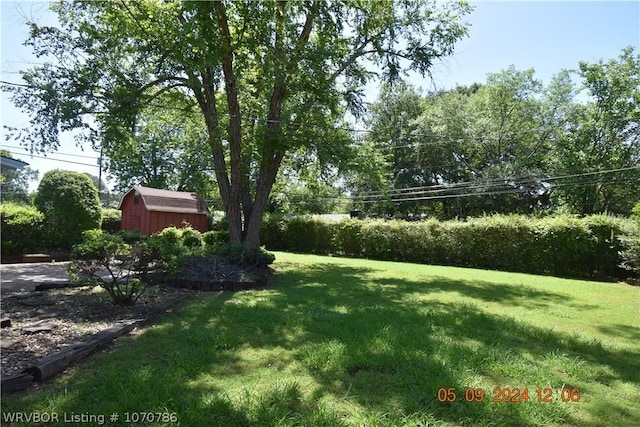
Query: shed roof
pixel 169 201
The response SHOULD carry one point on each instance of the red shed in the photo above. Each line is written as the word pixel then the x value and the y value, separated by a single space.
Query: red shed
pixel 149 210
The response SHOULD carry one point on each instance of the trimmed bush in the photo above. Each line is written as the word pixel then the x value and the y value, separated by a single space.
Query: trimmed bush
pixel 273 231
pixel 191 238
pixel 70 203
pixel 21 227
pixel 236 254
pixel 215 237
pixel 630 253
pixel 561 245
pixel 111 220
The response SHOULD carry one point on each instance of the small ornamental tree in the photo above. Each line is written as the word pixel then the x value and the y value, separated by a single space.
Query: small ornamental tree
pixel 106 260
pixel 71 205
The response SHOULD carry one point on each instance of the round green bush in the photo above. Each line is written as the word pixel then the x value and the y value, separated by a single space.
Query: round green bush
pixel 71 205
pixel 191 238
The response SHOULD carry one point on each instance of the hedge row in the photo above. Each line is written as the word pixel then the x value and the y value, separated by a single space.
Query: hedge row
pixel 561 245
pixel 21 227
pixel 24 228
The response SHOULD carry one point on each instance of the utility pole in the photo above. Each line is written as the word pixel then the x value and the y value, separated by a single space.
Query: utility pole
pixel 100 176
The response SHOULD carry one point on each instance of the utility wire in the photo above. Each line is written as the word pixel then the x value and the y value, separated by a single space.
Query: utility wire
pixel 439 188
pixel 54 160
pixel 57 153
pixel 478 194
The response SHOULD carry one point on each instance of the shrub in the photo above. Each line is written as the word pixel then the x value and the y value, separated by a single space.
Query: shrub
pixel 100 251
pixel 70 203
pixel 274 234
pixel 562 245
pixel 167 247
pixel 346 240
pixel 236 254
pixel 191 238
pixel 213 237
pixel 635 213
pixel 630 254
pixel 309 235
pixel 132 237
pixel 111 220
pixel 21 227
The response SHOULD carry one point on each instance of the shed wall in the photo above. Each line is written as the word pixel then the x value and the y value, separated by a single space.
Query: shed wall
pixel 137 217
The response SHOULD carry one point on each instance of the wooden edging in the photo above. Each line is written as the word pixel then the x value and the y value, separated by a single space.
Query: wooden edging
pixel 55 363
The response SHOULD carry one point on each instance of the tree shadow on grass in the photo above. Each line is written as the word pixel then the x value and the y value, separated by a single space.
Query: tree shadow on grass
pixel 420 348
pixel 367 347
pixel 630 333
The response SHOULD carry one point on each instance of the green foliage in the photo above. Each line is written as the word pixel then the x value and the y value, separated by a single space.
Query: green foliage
pixel 299 234
pixel 132 237
pixel 630 252
pixel 172 246
pixel 14 184
pixel 519 146
pixel 105 260
pixel 71 205
pixel 273 231
pixel 635 213
pixel 111 220
pixel 191 238
pixel 215 237
pixel 347 238
pixel 22 228
pixel 562 245
pixel 256 84
pixel 168 248
pixel 243 257
pixel 162 150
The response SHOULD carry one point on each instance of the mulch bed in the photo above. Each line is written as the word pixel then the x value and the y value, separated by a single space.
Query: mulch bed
pixel 42 323
pixel 45 331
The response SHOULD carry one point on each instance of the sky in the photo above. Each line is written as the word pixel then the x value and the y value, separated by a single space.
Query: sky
pixel 545 35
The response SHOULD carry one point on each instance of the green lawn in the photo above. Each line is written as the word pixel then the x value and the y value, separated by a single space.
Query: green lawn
pixel 355 342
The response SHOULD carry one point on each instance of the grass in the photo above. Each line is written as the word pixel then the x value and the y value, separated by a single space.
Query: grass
pixel 350 342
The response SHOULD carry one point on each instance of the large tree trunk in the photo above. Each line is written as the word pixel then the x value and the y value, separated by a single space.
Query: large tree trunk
pixel 233 210
pixel 268 172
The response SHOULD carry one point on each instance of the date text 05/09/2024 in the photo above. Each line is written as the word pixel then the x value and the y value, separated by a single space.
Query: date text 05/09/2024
pixel 511 395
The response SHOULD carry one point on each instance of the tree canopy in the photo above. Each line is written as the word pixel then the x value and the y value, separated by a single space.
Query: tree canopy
pixel 265 78
pixel 511 144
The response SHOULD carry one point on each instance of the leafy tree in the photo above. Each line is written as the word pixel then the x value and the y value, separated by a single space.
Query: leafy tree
pixel 491 134
pixel 71 205
pixel 162 150
pixel 515 144
pixel 265 77
pixel 14 184
pixel 392 123
pixel 604 135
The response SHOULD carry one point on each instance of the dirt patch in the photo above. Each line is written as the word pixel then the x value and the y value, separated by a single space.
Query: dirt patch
pixel 41 323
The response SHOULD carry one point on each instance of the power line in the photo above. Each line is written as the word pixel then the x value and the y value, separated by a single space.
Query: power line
pixel 440 188
pixel 53 159
pixel 57 153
